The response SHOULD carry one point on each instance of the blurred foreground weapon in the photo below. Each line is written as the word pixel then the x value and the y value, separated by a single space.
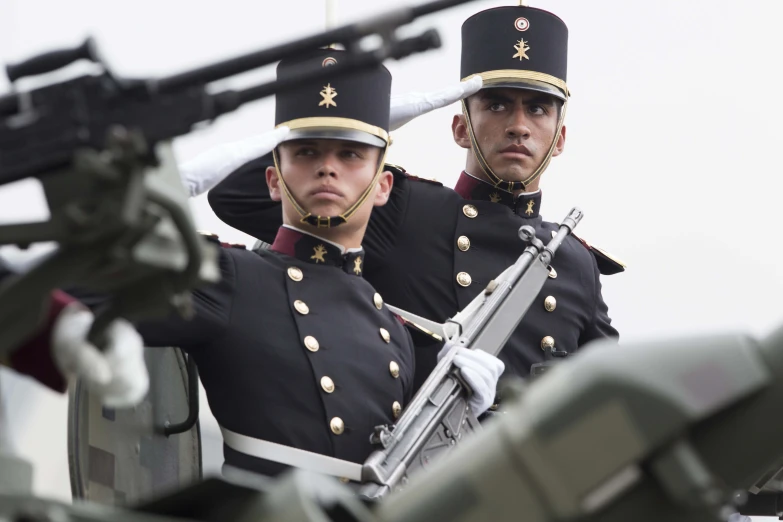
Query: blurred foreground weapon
pixel 677 430
pixel 99 144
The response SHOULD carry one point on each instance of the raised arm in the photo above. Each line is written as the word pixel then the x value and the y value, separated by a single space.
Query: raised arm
pixel 242 201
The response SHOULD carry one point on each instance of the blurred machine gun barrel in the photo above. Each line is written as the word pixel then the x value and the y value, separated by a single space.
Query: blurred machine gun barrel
pixel 100 146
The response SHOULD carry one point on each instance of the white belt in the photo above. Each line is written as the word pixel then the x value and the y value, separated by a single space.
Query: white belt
pixel 298 458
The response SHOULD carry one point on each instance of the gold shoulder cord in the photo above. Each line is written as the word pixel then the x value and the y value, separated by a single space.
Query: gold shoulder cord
pixel 328 221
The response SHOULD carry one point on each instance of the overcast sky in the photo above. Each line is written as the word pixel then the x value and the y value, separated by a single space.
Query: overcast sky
pixel 672 151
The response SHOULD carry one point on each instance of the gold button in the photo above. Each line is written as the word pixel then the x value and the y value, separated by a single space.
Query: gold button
pixel 327 384
pixel 311 343
pixel 385 335
pixel 378 300
pixel 470 211
pixel 464 279
pixel 463 243
pixel 295 273
pixel 337 425
pixel 547 343
pixel 550 303
pixel 396 409
pixel 394 369
pixel 344 480
pixel 552 273
pixel 301 307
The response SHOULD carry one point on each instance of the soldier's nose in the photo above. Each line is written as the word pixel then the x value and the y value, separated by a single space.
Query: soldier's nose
pixel 517 131
pixel 518 128
pixel 326 172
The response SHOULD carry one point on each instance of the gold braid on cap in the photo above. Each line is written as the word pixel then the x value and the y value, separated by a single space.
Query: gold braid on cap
pixel 515 75
pixel 497 181
pixel 315 122
pixel 329 221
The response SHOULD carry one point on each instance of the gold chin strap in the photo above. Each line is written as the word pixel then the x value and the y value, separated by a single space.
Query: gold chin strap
pixel 510 186
pixel 329 221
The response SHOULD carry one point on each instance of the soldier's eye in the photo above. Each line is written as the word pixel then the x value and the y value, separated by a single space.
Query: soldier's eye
pixel 538 109
pixel 305 151
pixel 497 106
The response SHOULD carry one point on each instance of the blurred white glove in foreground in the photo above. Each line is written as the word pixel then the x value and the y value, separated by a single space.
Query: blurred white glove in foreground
pixel 119 374
pixel 481 371
pixel 210 168
pixel 406 107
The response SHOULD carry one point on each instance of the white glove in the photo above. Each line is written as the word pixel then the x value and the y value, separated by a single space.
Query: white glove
pixel 405 107
pixel 118 375
pixel 481 371
pixel 209 168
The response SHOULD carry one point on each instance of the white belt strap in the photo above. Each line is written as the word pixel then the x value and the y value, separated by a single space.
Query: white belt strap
pixel 298 458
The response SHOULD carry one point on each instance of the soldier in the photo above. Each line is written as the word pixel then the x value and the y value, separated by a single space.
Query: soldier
pixel 298 355
pixel 431 249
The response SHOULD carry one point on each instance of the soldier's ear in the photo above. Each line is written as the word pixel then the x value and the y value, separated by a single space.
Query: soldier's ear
pixel 275 192
pixel 385 183
pixel 459 128
pixel 560 142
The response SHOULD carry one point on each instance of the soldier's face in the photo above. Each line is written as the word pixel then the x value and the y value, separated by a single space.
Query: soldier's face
pixel 327 177
pixel 514 129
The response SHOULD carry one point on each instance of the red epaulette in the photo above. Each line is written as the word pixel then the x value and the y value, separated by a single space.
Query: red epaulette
pixel 607 263
pixel 233 245
pixel 425 180
pixel 214 238
pixel 400 171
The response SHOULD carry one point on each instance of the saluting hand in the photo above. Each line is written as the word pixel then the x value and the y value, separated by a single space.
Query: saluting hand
pixel 209 168
pixel 119 374
pixel 406 107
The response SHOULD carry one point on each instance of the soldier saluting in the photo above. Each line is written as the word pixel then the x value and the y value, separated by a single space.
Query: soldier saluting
pixel 298 354
pixel 431 249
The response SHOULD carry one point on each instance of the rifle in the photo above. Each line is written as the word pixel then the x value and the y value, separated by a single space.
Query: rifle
pixel 100 145
pixel 438 416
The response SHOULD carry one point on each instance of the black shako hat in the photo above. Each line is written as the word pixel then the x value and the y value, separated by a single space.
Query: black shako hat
pixel 518 47
pixel 350 106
